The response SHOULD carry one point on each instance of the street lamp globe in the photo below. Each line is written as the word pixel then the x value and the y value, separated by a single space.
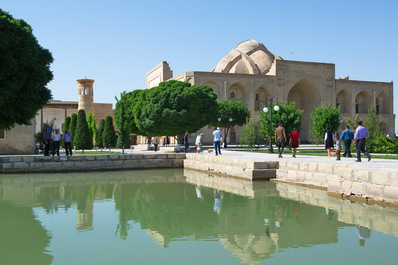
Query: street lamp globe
pixel 219 119
pixel 276 107
pixel 230 119
pixel 265 109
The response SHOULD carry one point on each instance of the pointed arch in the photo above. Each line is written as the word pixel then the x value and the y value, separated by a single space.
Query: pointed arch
pixel 363 102
pixel 343 100
pixel 307 97
pixel 260 97
pixel 237 90
pixel 216 88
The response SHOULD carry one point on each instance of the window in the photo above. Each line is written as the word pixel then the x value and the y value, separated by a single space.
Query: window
pixel 232 95
pixel 2 134
pixel 356 105
pixel 377 105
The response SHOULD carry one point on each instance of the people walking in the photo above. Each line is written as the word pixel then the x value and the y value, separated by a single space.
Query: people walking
pixel 338 147
pixel 47 142
pixel 294 141
pixel 360 136
pixel 280 139
pixel 347 136
pixel 198 143
pixel 56 140
pixel 329 141
pixel 217 140
pixel 186 143
pixel 67 142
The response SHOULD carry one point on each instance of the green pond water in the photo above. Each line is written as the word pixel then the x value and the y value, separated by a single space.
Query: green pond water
pixel 184 217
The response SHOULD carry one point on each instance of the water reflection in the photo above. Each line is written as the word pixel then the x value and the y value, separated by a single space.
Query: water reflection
pixel 252 220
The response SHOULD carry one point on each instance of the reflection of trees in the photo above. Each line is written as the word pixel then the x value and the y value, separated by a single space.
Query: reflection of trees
pixel 22 239
pixel 166 208
pixel 49 197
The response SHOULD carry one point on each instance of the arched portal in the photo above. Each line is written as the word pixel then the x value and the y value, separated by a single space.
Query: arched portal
pixel 363 102
pixel 260 97
pixel 236 92
pixel 343 101
pixel 307 97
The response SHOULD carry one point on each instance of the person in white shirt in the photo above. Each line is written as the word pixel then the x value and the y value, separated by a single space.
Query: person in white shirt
pixel 56 139
pixel 217 140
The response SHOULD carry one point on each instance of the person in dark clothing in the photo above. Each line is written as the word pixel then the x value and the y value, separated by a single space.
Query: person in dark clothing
pixel 47 142
pixel 186 144
pixel 360 136
pixel 329 141
pixel 347 136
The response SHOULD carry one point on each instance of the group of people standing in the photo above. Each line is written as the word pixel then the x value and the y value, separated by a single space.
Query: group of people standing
pixel 53 139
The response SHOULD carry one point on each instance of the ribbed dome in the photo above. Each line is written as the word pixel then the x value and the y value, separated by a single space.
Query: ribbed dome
pixel 249 57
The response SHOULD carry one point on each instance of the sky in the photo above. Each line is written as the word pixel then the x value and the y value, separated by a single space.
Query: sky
pixel 117 42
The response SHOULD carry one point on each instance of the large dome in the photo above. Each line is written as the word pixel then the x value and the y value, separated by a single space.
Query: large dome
pixel 249 57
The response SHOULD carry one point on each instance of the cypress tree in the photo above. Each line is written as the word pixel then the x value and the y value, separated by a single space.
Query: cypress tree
pixel 82 138
pixel 72 127
pixel 100 130
pixel 67 123
pixel 109 135
pixel 90 120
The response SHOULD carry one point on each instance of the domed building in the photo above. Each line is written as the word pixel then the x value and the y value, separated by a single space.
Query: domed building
pixel 252 74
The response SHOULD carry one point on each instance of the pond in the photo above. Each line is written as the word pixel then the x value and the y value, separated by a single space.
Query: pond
pixel 176 216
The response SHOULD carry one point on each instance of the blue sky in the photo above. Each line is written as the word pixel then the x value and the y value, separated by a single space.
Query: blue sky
pixel 117 42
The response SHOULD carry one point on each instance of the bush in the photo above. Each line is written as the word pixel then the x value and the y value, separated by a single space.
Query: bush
pixel 251 134
pixel 382 144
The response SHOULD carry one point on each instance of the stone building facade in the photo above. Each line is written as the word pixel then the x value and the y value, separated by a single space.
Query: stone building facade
pixel 254 75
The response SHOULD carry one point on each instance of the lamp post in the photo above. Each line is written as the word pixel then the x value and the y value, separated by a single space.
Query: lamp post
pixel 265 109
pixel 225 129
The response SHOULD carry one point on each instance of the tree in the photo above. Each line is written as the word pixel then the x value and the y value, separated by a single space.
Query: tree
pixel 109 135
pixel 324 117
pixel 67 123
pixel 24 72
pixel 91 125
pixel 82 138
pixel 375 130
pixel 122 116
pixel 251 134
pixel 98 136
pixel 288 115
pixel 72 127
pixel 229 114
pixel 174 107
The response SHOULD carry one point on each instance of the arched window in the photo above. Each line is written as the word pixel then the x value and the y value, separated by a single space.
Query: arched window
pixel 232 95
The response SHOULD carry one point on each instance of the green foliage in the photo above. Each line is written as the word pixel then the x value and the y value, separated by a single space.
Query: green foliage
pixel 82 138
pixel 67 123
pixel 72 127
pixel 226 109
pixel 24 72
pixel 123 118
pixel 373 124
pixel 382 144
pixel 109 135
pixel 172 108
pixel 324 117
pixel 287 114
pixel 314 138
pixel 251 134
pixel 90 120
pixel 98 135
pixel 353 124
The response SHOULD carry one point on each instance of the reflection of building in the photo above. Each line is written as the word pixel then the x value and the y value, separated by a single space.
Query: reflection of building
pixel 252 74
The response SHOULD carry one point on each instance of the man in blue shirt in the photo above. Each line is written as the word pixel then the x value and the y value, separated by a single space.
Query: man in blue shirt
pixel 347 136
pixel 360 136
pixel 217 140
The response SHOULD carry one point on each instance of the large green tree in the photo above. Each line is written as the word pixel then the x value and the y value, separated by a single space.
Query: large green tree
pixel 24 72
pixel 230 113
pixel 67 123
pixel 91 125
pixel 82 139
pixel 376 131
pixel 123 114
pixel 288 115
pixel 174 107
pixel 323 117
pixel 109 135
pixel 72 126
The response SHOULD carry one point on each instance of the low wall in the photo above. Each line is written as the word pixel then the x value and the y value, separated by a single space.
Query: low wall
pixel 349 180
pixel 32 164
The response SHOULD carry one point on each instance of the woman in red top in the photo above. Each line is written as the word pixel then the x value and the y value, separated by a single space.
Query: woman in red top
pixel 294 141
